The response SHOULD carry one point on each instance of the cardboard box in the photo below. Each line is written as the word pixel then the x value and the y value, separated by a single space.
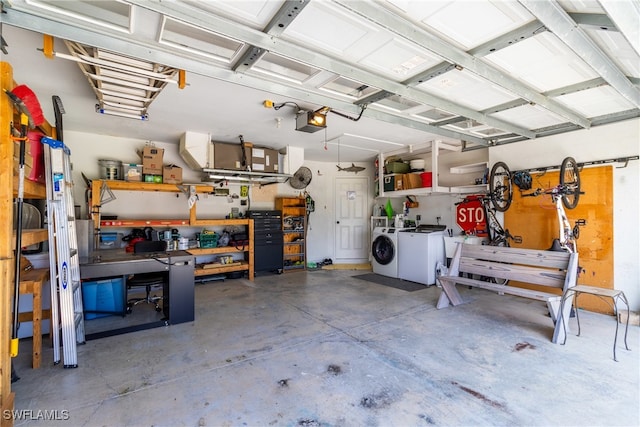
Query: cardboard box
pixel 172 174
pixel 152 160
pixel 132 172
pixel 399 182
pixel 412 180
pixel 389 182
pixel 229 156
pixel 264 160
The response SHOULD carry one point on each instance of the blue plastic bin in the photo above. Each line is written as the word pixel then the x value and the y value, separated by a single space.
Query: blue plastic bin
pixel 101 298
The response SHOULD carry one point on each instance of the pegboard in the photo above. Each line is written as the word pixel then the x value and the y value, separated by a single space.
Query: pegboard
pixel 535 219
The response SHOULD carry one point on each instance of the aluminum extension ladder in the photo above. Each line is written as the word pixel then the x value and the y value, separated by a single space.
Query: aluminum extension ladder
pixel 66 290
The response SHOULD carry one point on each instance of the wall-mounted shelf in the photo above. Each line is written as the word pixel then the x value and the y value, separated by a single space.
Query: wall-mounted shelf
pixel 96 203
pixel 471 168
pixel 217 175
pixel 294 228
pixel 449 176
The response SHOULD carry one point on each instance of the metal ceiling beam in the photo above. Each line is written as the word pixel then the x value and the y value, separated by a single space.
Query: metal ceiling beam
pixel 553 16
pixel 374 97
pixel 569 127
pixel 402 27
pixel 429 74
pixel 505 106
pixel 598 21
pixel 280 21
pixel 186 13
pixel 500 42
pixel 128 44
pixel 625 15
pixel 585 85
pixel 529 30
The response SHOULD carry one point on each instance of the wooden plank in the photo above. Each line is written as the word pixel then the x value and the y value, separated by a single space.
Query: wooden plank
pixel 32 190
pixel 534 218
pixel 242 266
pixel 505 289
pixel 218 265
pixel 6 242
pixel 212 251
pixel 144 222
pixel 541 276
pixel 534 257
pixel 452 294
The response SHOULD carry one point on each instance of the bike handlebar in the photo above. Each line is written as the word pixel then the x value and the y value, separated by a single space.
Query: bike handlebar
pixel 480 199
pixel 558 190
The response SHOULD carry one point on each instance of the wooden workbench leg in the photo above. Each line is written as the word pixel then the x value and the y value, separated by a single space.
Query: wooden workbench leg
pixel 37 325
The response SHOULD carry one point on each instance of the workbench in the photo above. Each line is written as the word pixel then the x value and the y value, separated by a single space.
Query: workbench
pixel 178 292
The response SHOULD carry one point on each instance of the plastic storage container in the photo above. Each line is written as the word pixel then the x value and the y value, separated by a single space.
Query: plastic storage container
pixel 427 178
pixel 110 169
pixel 102 298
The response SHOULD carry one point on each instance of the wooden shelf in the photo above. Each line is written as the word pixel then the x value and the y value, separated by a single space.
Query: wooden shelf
pixel 242 266
pixel 213 251
pixel 191 222
pixel 294 250
pixel 147 186
pixel 144 222
pixel 32 190
pixel 220 222
pixel 32 236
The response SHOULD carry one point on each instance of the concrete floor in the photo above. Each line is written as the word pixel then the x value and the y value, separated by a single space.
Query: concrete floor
pixel 322 348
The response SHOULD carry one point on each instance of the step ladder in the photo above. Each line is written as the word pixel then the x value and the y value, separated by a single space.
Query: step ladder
pixel 66 291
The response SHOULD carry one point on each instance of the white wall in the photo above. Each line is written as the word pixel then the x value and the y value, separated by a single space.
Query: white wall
pixel 603 142
pixel 599 143
pixel 87 149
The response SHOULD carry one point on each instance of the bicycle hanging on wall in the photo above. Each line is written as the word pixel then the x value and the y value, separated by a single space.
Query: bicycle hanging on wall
pixel 497 235
pixel 565 194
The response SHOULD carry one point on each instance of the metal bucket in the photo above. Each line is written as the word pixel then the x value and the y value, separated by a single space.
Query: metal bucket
pixel 110 169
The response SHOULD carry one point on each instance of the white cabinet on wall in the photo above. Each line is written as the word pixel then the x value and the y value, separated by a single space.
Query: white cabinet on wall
pixel 452 171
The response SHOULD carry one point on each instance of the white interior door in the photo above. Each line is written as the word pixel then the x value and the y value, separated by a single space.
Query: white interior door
pixel 352 220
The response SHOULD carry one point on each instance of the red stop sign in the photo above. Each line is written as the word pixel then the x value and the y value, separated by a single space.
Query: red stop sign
pixel 470 216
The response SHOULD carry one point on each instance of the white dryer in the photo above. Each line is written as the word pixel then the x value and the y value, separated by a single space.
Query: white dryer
pixel 384 251
pixel 421 249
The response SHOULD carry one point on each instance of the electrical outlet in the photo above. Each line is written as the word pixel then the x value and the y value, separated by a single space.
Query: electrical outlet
pixel 438 220
pixel 418 217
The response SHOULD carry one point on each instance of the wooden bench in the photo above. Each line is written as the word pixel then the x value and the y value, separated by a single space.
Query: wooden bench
pixel 478 264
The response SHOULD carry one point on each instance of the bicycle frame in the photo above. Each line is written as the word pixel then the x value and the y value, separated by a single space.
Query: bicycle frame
pixel 567 235
pixel 496 234
pixel 566 238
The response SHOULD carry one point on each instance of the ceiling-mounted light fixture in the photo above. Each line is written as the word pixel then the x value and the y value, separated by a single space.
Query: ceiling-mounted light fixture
pixel 128 115
pixel 312 121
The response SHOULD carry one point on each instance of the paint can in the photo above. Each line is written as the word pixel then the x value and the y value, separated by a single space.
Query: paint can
pixel 110 169
pixel 183 243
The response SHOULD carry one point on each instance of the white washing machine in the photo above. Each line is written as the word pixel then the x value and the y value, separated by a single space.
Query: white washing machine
pixel 384 251
pixel 421 250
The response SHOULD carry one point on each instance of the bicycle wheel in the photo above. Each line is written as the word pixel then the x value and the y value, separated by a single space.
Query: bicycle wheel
pixel 500 189
pixel 570 182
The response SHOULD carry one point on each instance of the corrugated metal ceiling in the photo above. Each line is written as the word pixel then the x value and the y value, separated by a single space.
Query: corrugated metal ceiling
pixel 475 72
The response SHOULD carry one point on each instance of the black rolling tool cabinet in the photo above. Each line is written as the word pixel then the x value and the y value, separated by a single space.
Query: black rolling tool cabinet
pixel 267 240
